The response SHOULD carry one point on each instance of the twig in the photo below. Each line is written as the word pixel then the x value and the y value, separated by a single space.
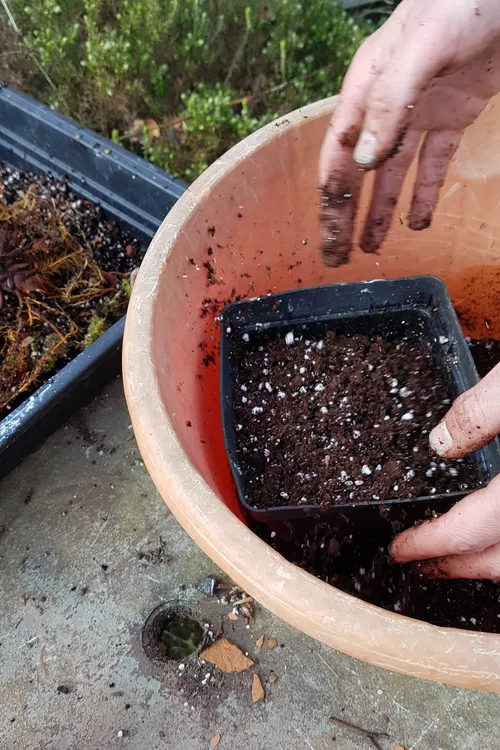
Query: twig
pixel 370 735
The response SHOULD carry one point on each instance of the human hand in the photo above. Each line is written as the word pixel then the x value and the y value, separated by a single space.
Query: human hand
pixel 431 68
pixel 465 541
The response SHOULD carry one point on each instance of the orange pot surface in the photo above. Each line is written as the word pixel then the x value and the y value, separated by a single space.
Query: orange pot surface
pixel 249 226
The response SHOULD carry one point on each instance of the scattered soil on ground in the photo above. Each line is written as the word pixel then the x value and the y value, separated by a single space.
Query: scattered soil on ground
pixel 64 278
pixel 340 419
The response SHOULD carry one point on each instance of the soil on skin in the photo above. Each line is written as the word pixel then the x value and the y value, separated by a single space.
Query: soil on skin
pixel 340 419
pixel 64 278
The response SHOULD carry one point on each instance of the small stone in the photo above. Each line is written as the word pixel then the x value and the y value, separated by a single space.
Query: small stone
pixel 366 470
pixel 258 693
pixel 408 416
pixel 289 338
pixel 273 677
pixel 246 337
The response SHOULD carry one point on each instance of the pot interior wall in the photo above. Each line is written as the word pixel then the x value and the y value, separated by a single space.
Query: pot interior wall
pixel 255 231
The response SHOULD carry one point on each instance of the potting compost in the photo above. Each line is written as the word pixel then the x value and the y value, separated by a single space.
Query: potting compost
pixel 352 416
pixel 64 278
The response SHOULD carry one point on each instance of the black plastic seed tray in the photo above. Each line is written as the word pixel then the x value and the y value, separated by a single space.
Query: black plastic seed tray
pixel 387 308
pixel 130 190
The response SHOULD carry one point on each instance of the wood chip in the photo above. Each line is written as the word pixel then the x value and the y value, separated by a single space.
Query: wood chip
pixel 400 747
pixel 228 657
pixel 272 643
pixel 215 740
pixel 258 693
pixel 232 616
pixel 260 642
pixel 273 678
pixel 212 680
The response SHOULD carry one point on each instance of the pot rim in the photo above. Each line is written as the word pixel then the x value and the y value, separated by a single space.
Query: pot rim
pixel 390 640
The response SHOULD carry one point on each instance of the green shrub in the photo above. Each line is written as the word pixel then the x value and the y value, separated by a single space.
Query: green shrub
pixel 208 72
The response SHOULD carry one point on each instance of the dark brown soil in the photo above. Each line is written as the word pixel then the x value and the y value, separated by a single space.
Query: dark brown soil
pixel 486 354
pixel 340 419
pixel 64 278
pixel 360 565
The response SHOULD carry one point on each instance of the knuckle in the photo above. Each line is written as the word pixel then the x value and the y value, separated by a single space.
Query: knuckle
pixel 380 104
pixel 489 563
pixel 458 536
pixel 468 414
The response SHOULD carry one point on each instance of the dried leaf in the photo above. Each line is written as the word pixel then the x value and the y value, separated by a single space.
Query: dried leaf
pixel 232 616
pixel 144 130
pixel 247 611
pixel 272 643
pixel 219 631
pixel 215 740
pixel 258 693
pixel 260 642
pixel 227 656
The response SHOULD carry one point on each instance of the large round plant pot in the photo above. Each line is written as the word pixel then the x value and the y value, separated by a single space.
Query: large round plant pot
pixel 247 227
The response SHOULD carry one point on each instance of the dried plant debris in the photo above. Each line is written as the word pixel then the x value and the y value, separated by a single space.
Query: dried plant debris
pixel 242 605
pixel 154 554
pixel 64 278
pixel 215 741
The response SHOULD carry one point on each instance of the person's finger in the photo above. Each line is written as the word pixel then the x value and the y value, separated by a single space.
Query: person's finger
pixel 484 564
pixel 345 125
pixel 388 183
pixel 472 525
pixel 473 420
pixel 339 201
pixel 394 94
pixel 435 156
pixel 340 178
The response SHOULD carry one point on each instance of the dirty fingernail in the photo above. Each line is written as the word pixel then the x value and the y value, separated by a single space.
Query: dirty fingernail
pixel 366 148
pixel 440 439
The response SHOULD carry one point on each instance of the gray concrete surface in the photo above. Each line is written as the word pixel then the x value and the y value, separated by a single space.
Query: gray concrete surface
pixel 85 501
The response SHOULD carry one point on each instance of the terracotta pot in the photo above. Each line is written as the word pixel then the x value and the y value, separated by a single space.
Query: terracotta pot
pixel 249 226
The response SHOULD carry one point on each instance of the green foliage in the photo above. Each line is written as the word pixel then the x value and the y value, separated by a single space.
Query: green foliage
pixel 217 69
pixel 210 125
pixel 97 326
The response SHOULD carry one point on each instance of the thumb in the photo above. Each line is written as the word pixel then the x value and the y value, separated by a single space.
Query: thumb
pixel 473 420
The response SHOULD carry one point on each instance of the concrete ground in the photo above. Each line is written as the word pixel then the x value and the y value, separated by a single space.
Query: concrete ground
pixel 80 524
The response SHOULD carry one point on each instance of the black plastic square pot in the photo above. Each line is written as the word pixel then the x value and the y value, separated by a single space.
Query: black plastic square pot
pixel 387 308
pixel 130 190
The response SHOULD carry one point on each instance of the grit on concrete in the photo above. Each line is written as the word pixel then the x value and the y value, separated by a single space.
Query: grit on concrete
pixel 76 590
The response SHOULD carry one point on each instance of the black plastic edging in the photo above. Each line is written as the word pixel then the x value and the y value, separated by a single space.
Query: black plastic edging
pixel 130 190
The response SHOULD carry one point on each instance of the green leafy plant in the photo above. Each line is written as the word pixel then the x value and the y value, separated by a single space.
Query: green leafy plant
pixel 206 72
